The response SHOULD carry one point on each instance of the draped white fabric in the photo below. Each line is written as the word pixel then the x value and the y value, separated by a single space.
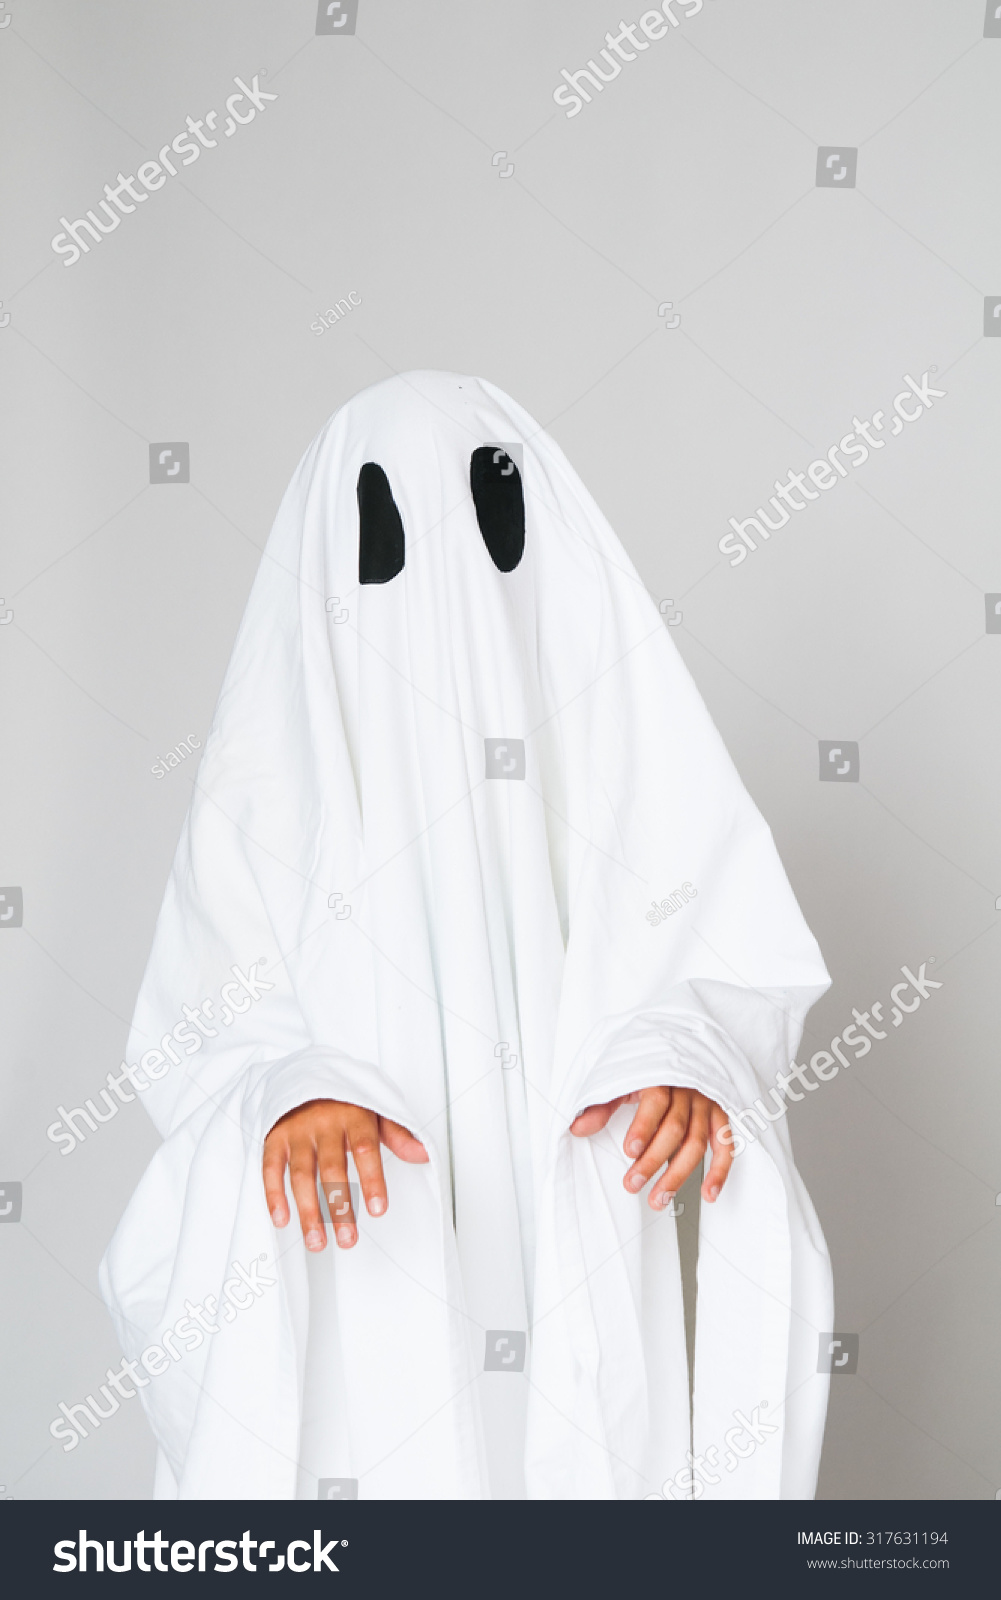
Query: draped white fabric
pixel 472 958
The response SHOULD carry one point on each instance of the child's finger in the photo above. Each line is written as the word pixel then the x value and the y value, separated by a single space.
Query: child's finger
pixel 595 1117
pixel 667 1140
pixel 273 1169
pixel 654 1106
pixel 333 1166
pixel 401 1141
pixel 302 1171
pixel 687 1157
pixel 362 1128
pixel 722 1154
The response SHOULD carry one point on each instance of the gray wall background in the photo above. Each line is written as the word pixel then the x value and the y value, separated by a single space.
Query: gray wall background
pixel 690 179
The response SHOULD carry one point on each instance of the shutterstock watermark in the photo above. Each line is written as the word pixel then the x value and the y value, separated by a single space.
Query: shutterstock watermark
pixel 739 1442
pixel 240 1291
pixel 152 175
pixel 827 472
pixel 72 1554
pixel 654 25
pixel 826 1064
pixel 196 1026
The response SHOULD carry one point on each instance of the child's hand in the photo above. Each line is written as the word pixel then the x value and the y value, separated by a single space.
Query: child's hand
pixel 316 1137
pixel 673 1125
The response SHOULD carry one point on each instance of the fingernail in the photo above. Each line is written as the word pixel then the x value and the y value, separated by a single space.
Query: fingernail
pixel 314 1239
pixel 278 1216
pixel 377 1205
pixel 635 1181
pixel 635 1147
pixel 664 1198
pixel 345 1235
pixel 714 1192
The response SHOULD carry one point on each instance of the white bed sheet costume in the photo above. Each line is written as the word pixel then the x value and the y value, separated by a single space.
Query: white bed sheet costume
pixel 468 951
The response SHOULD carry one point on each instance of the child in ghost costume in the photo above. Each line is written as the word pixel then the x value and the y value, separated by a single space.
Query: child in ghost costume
pixel 466 855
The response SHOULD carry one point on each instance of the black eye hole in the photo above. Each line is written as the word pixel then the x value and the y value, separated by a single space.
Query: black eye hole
pixel 381 544
pixel 500 505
